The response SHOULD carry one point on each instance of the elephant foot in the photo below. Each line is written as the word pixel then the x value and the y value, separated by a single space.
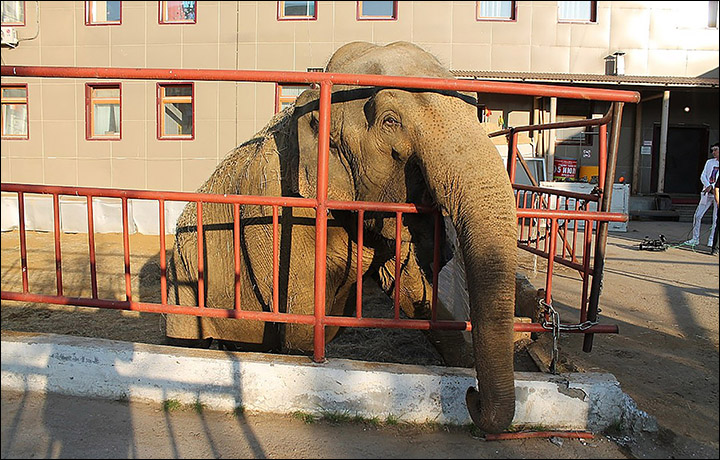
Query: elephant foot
pixel 484 417
pixel 189 343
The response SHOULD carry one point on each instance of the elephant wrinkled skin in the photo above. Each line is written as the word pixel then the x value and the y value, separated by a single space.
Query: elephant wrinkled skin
pixel 387 145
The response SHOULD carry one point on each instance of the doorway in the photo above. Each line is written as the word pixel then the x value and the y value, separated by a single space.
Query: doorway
pixel 687 151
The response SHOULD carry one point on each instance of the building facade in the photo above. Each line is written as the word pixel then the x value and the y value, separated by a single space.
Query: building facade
pixel 171 135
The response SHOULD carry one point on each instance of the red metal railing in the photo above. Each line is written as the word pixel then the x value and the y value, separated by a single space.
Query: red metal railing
pixel 321 204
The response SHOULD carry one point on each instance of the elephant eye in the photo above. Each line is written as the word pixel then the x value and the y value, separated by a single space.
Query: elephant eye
pixel 391 121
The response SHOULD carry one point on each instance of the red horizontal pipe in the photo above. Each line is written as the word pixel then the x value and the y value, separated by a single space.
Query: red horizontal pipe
pixel 156 195
pixel 322 77
pixel 378 206
pixel 558 259
pixel 538 434
pixel 278 317
pixel 572 215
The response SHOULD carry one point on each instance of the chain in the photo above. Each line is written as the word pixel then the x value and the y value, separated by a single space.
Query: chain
pixel 555 326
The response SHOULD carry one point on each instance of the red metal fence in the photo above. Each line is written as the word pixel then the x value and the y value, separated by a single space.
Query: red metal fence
pixel 541 215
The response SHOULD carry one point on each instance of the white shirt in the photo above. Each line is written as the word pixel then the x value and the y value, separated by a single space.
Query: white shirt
pixel 710 172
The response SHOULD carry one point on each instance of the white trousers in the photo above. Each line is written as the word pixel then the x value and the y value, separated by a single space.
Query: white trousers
pixel 706 200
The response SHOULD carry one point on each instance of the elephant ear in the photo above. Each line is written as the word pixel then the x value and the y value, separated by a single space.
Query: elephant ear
pixel 340 183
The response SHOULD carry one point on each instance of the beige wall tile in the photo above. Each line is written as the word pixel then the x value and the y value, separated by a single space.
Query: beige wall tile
pixel 442 51
pixel 228 22
pixel 5 173
pixel 61 171
pixel 227 56
pixel 321 30
pixel 511 33
pixel 550 58
pixel 59 102
pixel 245 130
pixel 164 34
pixel 543 25
pixel 471 57
pixel 392 31
pixel 247 22
pixel 636 61
pixel 131 32
pixel 162 150
pixel 226 109
pixel 346 26
pixel 587 60
pixel 245 105
pixel 27 170
pixel 164 56
pixel 663 29
pixel 227 138
pixel 57 55
pixel 271 30
pixel 510 58
pixel 432 22
pixel 94 172
pixel 128 173
pixel 21 55
pixel 60 139
pixel 135 104
pixel 93 56
pixel 200 56
pixel 93 149
pixel 465 28
pixel 702 63
pixel 246 56
pixel 164 175
pixel 206 101
pixel 563 34
pixel 275 56
pixel 626 24
pixel 25 148
pixel 132 144
pixel 128 56
pixel 590 35
pixel 666 62
pixel 314 54
pixel 61 30
pixel 196 172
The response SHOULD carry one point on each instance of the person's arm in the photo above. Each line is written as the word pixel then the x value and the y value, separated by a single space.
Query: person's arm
pixel 705 176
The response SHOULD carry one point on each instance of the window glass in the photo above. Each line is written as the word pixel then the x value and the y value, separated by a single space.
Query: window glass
pixel 495 10
pixel 14 112
pixel 576 11
pixel 103 12
pixel 176 111
pixel 182 12
pixel 104 107
pixel 13 13
pixel 286 95
pixel 297 9
pixel 377 9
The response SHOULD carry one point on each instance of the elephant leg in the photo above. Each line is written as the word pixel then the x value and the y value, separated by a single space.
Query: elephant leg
pixel 182 330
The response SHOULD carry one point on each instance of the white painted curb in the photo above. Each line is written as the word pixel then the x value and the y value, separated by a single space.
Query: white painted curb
pixel 284 384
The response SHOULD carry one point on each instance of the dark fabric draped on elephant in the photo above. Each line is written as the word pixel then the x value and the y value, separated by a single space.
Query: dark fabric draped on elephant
pixel 387 145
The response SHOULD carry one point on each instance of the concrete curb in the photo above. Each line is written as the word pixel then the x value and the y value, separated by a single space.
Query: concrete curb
pixel 284 384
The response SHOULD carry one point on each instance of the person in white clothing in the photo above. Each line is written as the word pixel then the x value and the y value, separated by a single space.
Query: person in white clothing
pixel 707 198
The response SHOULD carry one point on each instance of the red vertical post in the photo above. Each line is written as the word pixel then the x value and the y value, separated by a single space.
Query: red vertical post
pixel 58 256
pixel 163 262
pixel 551 260
pixel 358 284
pixel 586 270
pixel 126 249
pixel 276 262
pixel 236 252
pixel 23 243
pixel 436 267
pixel 512 154
pixel 321 211
pixel 201 252
pixel 398 228
pixel 91 246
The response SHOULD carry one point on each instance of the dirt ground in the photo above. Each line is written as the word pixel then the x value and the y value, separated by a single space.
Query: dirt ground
pixel 665 304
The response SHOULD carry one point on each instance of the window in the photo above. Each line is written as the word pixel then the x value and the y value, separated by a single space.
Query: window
pixel 14 112
pixel 103 118
pixel 495 11
pixel 577 11
pixel 182 12
pixel 297 10
pixel 376 10
pixel 13 13
pixel 103 13
pixel 175 111
pixel 285 95
pixel 713 15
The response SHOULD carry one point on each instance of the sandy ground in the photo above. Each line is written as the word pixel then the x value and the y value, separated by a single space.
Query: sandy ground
pixel 665 303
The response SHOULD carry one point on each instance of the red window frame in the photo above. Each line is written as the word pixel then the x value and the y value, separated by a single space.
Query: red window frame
pixel 162 20
pixel 27 112
pixel 89 20
pixel 360 17
pixel 279 98
pixel 512 18
pixel 281 16
pixel 89 111
pixel 17 24
pixel 161 112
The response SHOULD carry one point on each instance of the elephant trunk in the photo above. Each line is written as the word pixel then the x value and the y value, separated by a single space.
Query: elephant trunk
pixel 474 189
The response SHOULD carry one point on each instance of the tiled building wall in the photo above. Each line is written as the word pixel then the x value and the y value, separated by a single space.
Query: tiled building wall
pixel 656 37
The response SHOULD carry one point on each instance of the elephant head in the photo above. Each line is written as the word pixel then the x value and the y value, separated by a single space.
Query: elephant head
pixel 426 147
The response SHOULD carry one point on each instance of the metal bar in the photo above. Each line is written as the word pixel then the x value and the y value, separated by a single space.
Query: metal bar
pixel 324 78
pixel 602 227
pixel 236 253
pixel 163 262
pixel 561 214
pixel 56 235
pixel 512 154
pixel 602 155
pixel 274 317
pixel 23 242
pixel 200 255
pixel 552 191
pixel 398 224
pixel 359 282
pixel 563 124
pixel 276 262
pixel 91 248
pixel 550 266
pixel 167 196
pixel 321 211
pixel 586 271
pixel 126 249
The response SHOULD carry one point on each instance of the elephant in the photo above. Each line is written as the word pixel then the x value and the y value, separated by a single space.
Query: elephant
pixel 386 145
